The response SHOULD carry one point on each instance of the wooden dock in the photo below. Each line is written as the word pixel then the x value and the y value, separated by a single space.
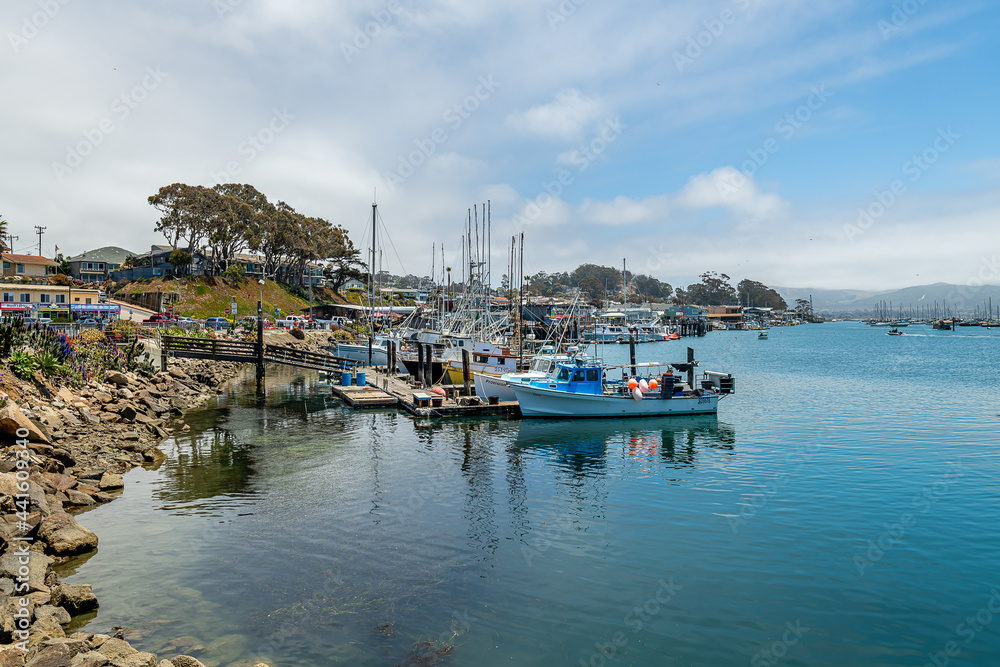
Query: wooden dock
pixel 386 390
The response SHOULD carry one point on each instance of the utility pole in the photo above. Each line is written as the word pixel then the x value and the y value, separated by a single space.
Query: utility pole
pixel 39 230
pixel 12 238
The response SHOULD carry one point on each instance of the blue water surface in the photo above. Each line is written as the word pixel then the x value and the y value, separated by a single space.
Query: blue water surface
pixel 842 509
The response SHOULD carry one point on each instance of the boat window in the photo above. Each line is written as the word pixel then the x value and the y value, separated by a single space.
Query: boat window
pixel 563 375
pixel 539 365
pixel 593 375
pixel 579 376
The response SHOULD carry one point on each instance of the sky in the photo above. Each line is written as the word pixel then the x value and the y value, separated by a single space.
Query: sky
pixel 840 145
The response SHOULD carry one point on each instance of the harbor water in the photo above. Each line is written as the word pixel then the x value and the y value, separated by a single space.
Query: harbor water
pixel 841 509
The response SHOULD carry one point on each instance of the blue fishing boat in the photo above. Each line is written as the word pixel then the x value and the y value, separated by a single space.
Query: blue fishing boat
pixel 585 390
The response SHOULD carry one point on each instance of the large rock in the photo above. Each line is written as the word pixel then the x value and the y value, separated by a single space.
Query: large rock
pixel 56 655
pixel 89 659
pixel 65 536
pixel 138 660
pixel 110 481
pixel 12 420
pixel 60 615
pixel 186 661
pixel 38 566
pixel 116 648
pixel 11 656
pixel 48 626
pixel 75 599
pixel 115 378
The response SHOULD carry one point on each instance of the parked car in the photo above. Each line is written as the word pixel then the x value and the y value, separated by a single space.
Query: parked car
pixel 294 322
pixel 217 323
pixel 90 323
pixel 160 317
pixel 38 320
pixel 187 323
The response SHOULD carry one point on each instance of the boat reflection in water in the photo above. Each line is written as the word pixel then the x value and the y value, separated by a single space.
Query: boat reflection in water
pixel 585 444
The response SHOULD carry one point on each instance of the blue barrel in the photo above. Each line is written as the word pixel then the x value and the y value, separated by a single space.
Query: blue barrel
pixel 361 379
pixel 345 379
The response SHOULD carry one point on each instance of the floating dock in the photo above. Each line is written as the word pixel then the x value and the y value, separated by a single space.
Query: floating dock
pixel 383 390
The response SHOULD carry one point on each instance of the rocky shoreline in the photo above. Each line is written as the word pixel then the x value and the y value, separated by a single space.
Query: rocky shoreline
pixel 65 450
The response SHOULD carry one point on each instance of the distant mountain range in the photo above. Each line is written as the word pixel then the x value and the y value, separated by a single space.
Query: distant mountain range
pixel 920 299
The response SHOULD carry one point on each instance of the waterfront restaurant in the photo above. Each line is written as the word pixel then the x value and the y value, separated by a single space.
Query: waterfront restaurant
pixel 46 300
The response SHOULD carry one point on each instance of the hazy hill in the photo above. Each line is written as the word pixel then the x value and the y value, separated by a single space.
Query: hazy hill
pixel 961 299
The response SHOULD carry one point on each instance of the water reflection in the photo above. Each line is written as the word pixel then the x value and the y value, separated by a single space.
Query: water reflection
pixel 202 466
pixel 584 445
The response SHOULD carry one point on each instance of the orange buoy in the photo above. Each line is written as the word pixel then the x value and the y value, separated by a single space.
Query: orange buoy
pixel 632 384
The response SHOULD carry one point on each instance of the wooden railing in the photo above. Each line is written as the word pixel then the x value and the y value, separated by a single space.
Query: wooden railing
pixel 245 351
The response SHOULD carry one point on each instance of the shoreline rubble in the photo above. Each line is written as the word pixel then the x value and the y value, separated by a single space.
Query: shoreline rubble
pixel 78 445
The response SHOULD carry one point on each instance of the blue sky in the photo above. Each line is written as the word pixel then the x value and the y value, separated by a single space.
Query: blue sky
pixel 740 136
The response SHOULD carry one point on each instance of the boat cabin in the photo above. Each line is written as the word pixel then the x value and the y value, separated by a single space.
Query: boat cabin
pixel 575 379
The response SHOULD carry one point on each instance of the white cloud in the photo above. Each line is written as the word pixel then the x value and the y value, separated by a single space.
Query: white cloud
pixel 564 118
pixel 624 210
pixel 729 188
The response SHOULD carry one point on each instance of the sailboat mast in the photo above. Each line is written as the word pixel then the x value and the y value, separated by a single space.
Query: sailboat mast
pixel 371 320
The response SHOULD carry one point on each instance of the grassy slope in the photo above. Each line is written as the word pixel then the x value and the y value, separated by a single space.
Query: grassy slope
pixel 202 297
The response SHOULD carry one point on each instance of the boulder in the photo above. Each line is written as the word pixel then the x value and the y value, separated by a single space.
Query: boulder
pixel 116 648
pixel 60 615
pixel 89 659
pixel 103 397
pixel 12 420
pixel 110 481
pixel 89 416
pixel 56 655
pixel 75 599
pixel 11 656
pixel 186 661
pixel 59 482
pixel 48 626
pixel 38 566
pixel 116 378
pixel 138 660
pixel 79 498
pixel 65 536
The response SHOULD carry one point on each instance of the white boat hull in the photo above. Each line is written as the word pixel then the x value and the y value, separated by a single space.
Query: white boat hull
pixel 541 402
pixel 490 385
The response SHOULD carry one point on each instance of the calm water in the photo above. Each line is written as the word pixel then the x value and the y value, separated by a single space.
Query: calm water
pixel 842 509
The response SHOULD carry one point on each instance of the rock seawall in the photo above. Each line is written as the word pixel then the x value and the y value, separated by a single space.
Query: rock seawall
pixel 62 451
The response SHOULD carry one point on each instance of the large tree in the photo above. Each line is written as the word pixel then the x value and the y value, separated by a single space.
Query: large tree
pixel 713 290
pixel 753 293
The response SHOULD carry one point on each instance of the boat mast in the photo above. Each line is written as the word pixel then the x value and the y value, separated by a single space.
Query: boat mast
pixel 371 320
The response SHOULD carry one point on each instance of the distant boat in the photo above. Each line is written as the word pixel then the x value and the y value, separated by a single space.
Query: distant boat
pixel 894 332
pixel 762 335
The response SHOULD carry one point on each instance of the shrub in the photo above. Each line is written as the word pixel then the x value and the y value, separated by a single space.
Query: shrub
pixel 298 334
pixel 48 363
pixel 23 364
